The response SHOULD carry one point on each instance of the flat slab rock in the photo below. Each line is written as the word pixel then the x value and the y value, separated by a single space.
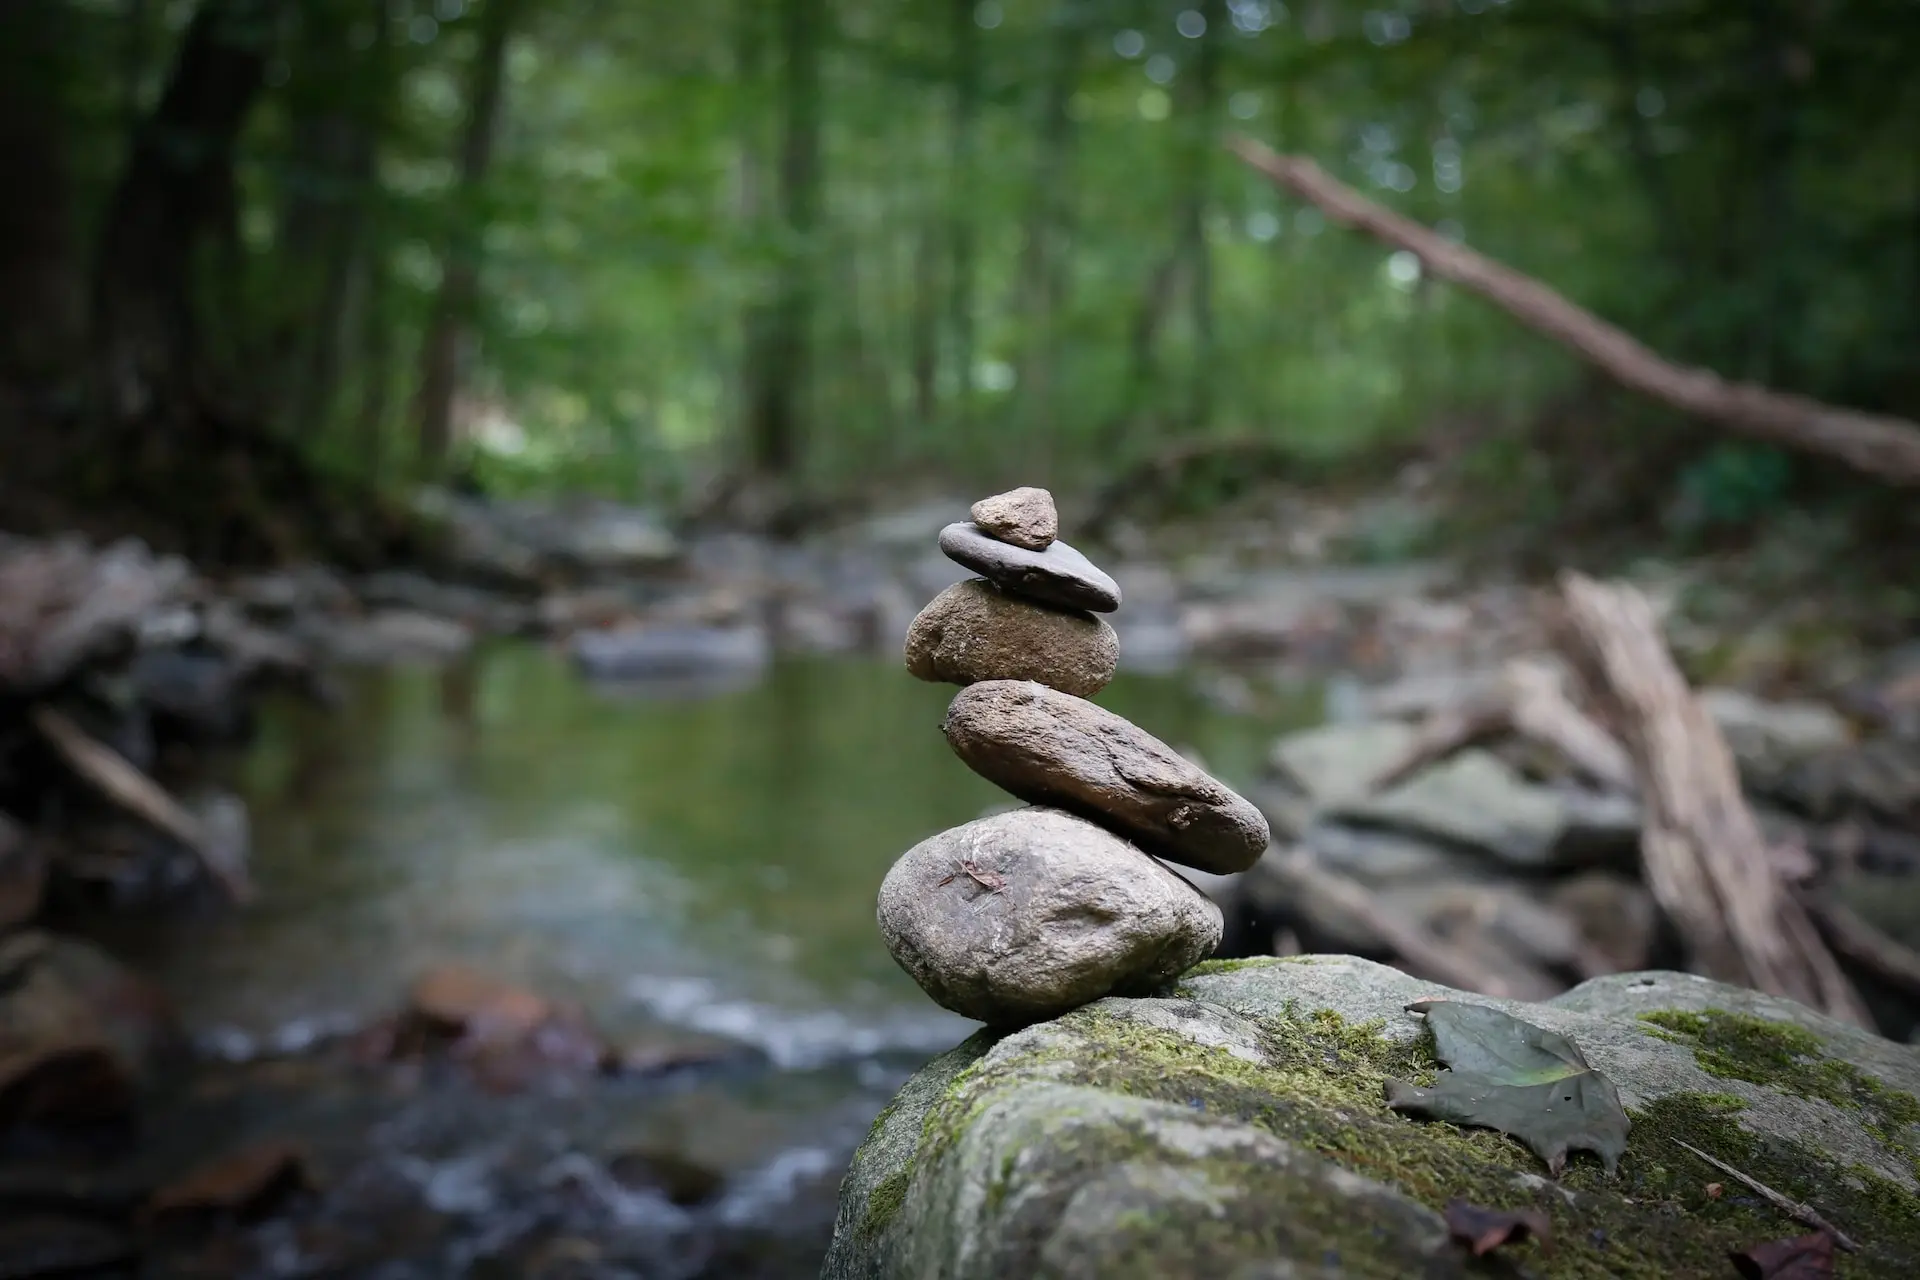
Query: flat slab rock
pixel 1025 915
pixel 1237 1129
pixel 974 631
pixel 1051 748
pixel 1024 517
pixel 1058 575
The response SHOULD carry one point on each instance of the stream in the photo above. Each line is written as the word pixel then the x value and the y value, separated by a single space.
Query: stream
pixel 689 866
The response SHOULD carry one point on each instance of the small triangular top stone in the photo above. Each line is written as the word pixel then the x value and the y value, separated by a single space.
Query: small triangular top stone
pixel 1023 517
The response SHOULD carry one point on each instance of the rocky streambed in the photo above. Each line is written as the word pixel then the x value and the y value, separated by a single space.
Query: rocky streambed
pixel 647 785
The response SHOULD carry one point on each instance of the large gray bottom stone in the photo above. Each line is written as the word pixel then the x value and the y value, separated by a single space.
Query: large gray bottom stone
pixel 1236 1129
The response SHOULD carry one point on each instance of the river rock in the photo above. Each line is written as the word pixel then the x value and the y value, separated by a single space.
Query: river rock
pixel 1025 915
pixel 974 631
pixel 1023 517
pixel 1236 1130
pixel 1058 575
pixel 1052 748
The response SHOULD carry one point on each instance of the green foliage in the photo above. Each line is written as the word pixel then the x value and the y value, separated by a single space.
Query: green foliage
pixel 1731 181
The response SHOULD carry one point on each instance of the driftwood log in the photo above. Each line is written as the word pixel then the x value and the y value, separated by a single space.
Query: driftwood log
pixel 1886 448
pixel 1703 855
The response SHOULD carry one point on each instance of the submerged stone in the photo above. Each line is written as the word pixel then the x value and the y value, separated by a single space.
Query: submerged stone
pixel 1238 1129
pixel 974 631
pixel 1025 915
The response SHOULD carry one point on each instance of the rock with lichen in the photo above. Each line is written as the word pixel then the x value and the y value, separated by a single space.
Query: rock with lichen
pixel 1237 1128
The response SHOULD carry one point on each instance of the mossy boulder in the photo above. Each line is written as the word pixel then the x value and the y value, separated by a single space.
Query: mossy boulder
pixel 1235 1129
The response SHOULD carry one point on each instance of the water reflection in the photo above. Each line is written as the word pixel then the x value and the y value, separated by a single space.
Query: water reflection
pixel 707 861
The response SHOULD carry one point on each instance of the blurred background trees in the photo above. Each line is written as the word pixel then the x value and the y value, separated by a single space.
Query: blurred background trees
pixel 645 248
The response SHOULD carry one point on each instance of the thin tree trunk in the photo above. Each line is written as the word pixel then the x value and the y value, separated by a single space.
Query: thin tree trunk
pixel 173 202
pixel 777 415
pixel 1043 256
pixel 756 318
pixel 1203 124
pixel 40 276
pixel 1884 447
pixel 447 329
pixel 923 337
pixel 965 37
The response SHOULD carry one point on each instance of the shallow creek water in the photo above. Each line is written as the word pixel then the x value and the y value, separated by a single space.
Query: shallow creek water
pixel 683 866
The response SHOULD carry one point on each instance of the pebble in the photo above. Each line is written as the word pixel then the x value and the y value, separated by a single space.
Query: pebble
pixel 1024 517
pixel 974 631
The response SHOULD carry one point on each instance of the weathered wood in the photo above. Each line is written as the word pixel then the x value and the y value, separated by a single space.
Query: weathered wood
pixel 1702 852
pixel 1884 447
pixel 115 778
pixel 1326 894
pixel 1528 702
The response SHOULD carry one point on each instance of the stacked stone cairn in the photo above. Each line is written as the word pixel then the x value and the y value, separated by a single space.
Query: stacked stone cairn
pixel 1024 915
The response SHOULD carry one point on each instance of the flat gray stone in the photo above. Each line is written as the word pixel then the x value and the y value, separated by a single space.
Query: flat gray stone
pixel 1024 517
pixel 1236 1130
pixel 1022 916
pixel 974 631
pixel 1059 575
pixel 1052 748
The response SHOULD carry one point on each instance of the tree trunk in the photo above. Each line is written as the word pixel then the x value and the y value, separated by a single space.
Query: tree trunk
pixel 1883 447
pixel 1043 256
pixel 965 38
pixel 923 330
pixel 1188 265
pixel 175 201
pixel 1203 123
pixel 40 281
pixel 777 415
pixel 447 329
pixel 339 102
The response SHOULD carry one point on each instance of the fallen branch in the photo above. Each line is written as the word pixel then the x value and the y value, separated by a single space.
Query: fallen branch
pixel 110 773
pixel 1703 854
pixel 1883 447
pixel 1528 701
pixel 1323 893
pixel 1803 1214
pixel 1854 939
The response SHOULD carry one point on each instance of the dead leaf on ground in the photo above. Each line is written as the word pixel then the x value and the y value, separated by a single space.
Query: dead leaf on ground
pixel 1531 1084
pixel 1807 1257
pixel 1483 1230
pixel 248 1182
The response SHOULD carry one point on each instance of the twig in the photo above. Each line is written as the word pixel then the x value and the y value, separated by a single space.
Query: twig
pixel 1853 938
pixel 115 778
pixel 1528 702
pixel 1884 447
pixel 1804 1214
pixel 1314 886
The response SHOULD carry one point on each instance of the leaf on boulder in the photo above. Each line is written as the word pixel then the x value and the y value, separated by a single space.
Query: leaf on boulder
pixel 1800 1258
pixel 1505 1074
pixel 1484 1230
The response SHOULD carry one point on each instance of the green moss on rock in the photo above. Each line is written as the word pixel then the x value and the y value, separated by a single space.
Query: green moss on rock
pixel 1092 1109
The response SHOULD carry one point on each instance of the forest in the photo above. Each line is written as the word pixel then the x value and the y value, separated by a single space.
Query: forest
pixel 1417 498
pixel 655 252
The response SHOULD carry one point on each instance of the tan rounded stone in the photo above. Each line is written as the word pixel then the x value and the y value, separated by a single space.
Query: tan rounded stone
pixel 974 631
pixel 1024 517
